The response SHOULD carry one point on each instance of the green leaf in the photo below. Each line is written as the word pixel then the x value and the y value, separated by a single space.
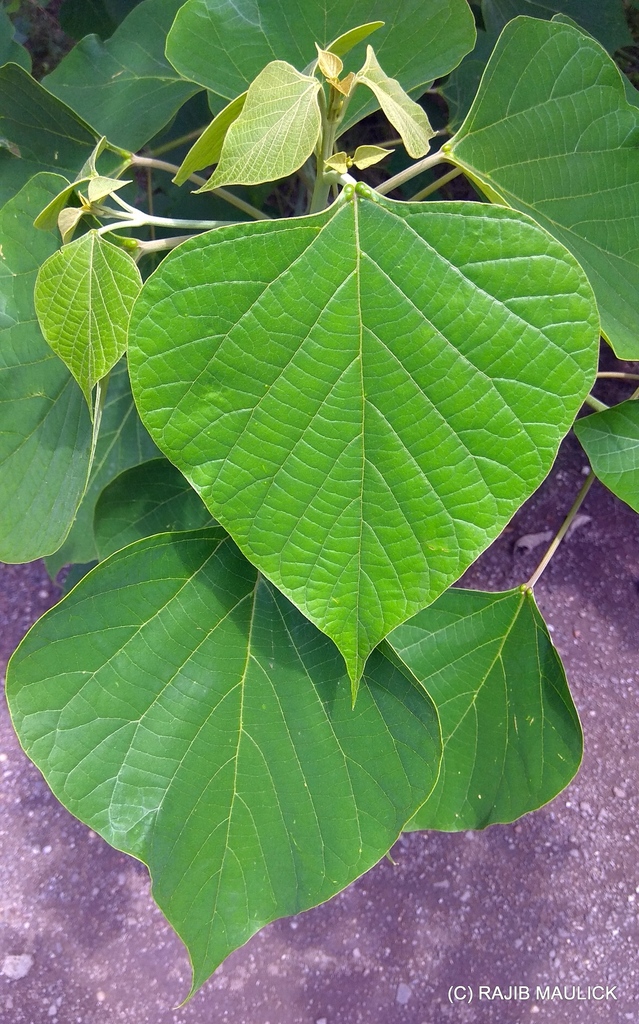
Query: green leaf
pixel 84 294
pixel 151 498
pixel 366 156
pixel 552 134
pixel 606 22
pixel 208 148
pixel 345 43
pixel 125 87
pixel 10 49
pixel 224 44
pixel 365 396
pixel 101 187
pixel 403 113
pixel 46 134
pixel 611 442
pixel 511 734
pixel 78 18
pixel 45 430
pixel 122 442
pixel 47 219
pixel 275 132
pixel 182 708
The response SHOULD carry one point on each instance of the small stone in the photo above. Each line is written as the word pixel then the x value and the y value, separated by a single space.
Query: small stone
pixel 16 967
pixel 53 1010
pixel 321 1020
pixel 100 996
pixel 619 792
pixel 404 992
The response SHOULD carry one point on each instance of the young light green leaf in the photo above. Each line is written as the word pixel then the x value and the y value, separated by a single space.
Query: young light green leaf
pixel 214 738
pixel 511 734
pixel 339 162
pixel 68 220
pixel 122 442
pixel 276 131
pixel 373 357
pixel 101 187
pixel 45 440
pixel 47 134
pixel 48 218
pixel 147 499
pixel 403 113
pixel 224 44
pixel 611 442
pixel 366 156
pixel 345 43
pixel 84 294
pixel 329 63
pixel 552 134
pixel 125 87
pixel 208 148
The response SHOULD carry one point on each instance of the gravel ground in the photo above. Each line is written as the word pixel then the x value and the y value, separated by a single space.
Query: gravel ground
pixel 549 901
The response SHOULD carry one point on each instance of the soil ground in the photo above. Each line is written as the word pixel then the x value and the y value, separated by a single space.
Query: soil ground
pixel 551 900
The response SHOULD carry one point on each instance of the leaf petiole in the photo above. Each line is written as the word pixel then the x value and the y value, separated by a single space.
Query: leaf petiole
pixel 412 172
pixel 562 531
pixel 223 193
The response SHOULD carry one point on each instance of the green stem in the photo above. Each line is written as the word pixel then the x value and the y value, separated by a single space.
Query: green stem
pixel 180 141
pixel 332 114
pixel 412 172
pixel 436 185
pixel 595 404
pixel 137 218
pixel 563 530
pixel 223 193
pixel 159 245
pixel 619 376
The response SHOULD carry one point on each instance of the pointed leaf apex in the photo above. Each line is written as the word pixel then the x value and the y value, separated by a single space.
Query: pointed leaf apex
pixel 329 64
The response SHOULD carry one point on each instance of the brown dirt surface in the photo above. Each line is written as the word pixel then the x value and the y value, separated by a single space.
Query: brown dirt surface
pixel 551 900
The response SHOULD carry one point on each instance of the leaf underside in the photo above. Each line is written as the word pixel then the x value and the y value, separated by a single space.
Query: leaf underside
pixel 552 134
pixel 196 720
pixel 364 397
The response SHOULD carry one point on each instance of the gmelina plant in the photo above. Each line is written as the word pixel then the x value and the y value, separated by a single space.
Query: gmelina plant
pixel 268 676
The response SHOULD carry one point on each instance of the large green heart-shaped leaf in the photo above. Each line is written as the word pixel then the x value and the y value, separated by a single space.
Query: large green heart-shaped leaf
pixel 84 294
pixel 122 442
pixel 45 430
pixel 511 734
pixel 365 396
pixel 551 133
pixel 224 44
pixel 147 499
pixel 181 707
pixel 41 132
pixel 611 442
pixel 125 87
